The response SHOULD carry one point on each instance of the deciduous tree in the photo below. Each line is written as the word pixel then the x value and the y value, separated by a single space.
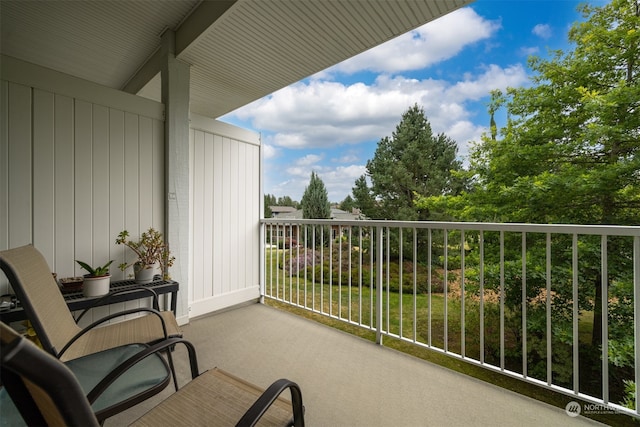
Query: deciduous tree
pixel 570 150
pixel 570 153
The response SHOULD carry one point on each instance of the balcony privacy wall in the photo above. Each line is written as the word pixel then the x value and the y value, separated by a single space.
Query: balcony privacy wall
pixel 80 162
pixel 225 207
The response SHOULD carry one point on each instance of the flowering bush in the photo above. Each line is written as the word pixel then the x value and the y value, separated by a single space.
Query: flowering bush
pixel 298 262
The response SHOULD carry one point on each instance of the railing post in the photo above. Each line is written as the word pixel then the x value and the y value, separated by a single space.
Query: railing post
pixel 604 256
pixel 379 295
pixel 262 261
pixel 636 315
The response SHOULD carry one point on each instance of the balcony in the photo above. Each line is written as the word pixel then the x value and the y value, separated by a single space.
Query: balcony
pixel 478 294
pixel 551 305
pixel 348 381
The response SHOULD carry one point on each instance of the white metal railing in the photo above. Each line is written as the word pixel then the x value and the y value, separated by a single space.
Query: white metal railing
pixel 520 299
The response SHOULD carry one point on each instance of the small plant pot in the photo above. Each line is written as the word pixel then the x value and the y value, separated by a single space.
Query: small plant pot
pixel 96 286
pixel 143 275
pixel 71 284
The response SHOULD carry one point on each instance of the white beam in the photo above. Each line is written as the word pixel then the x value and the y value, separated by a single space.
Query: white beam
pixel 192 28
pixel 199 21
pixel 175 97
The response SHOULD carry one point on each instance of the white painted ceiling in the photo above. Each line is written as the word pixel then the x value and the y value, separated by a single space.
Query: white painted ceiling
pixel 239 51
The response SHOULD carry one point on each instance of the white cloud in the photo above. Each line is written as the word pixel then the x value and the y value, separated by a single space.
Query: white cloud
pixel 308 160
pixel 348 157
pixel 325 114
pixel 284 188
pixel 269 151
pixel 321 114
pixel 432 43
pixel 493 77
pixel 289 140
pixel 339 181
pixel 527 51
pixel 464 132
pixel 542 31
pixel 300 171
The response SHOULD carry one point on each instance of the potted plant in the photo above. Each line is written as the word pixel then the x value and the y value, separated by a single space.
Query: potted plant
pixel 97 282
pixel 151 251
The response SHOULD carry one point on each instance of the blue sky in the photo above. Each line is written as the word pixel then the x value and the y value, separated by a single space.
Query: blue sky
pixel 331 122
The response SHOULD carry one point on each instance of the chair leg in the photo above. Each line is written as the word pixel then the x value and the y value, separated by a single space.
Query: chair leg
pixel 193 361
pixel 173 369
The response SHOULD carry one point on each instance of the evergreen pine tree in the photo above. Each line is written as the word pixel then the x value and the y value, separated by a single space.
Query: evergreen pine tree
pixel 315 200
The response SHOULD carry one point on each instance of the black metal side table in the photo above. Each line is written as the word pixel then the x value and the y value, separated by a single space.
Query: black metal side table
pixel 77 301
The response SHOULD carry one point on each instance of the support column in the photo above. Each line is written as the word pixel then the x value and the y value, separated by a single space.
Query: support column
pixel 175 97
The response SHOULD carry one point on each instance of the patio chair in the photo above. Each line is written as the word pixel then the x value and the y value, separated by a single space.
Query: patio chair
pixel 47 392
pixel 57 330
pixel 87 389
pixel 55 327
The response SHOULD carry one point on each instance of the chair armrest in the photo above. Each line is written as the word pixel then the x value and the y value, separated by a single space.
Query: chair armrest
pixel 101 301
pixel 148 351
pixel 109 317
pixel 21 359
pixel 258 409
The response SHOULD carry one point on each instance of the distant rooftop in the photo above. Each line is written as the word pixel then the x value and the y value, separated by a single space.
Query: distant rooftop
pixel 286 212
pixel 281 209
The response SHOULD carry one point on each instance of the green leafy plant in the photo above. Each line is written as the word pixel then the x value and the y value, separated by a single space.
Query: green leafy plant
pixel 150 249
pixel 97 271
pixel 629 394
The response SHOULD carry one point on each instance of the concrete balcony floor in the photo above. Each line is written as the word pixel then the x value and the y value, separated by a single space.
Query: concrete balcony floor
pixel 348 381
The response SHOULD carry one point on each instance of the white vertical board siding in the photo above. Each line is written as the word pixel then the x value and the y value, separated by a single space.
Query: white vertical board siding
pixel 4 175
pixel 43 173
pixel 16 162
pixel 20 157
pixel 4 167
pixel 196 287
pixel 157 160
pixel 225 201
pixel 63 181
pixel 218 208
pixel 74 172
pixel 83 181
